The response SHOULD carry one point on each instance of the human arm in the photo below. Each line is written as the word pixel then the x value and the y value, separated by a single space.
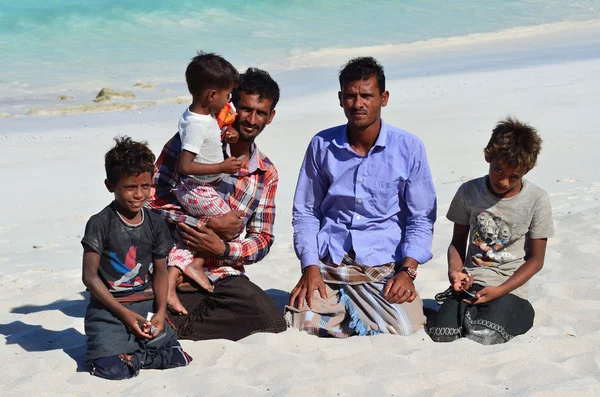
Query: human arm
pixel 311 189
pixel 256 243
pixel 160 285
pixel 226 226
pixel 310 281
pixel 456 258
pixel 231 135
pixel 90 278
pixel 401 287
pixel 532 265
pixel 187 165
pixel 420 199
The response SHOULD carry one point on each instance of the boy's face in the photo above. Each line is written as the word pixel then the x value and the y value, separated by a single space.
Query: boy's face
pixel 219 99
pixel 131 193
pixel 504 180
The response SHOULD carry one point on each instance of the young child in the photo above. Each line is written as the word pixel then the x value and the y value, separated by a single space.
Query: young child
pixel 504 221
pixel 210 80
pixel 124 267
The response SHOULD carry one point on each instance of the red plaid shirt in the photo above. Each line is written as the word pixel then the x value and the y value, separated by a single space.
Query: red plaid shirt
pixel 251 190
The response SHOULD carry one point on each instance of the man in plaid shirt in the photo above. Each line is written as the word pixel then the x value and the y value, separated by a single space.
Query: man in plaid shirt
pixel 237 307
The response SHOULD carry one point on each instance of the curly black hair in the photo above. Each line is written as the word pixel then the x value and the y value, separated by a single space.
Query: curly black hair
pixel 362 68
pixel 256 81
pixel 128 157
pixel 209 71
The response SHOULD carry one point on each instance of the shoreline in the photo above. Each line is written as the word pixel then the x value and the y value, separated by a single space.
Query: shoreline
pixel 309 71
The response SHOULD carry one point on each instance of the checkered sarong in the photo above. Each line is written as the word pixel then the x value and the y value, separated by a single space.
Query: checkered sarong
pixel 355 304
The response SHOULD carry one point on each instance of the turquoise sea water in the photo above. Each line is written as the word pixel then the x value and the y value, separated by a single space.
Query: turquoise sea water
pixel 46 45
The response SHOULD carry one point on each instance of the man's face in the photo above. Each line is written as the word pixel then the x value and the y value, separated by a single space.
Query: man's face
pixel 131 192
pixel 254 113
pixel 504 180
pixel 362 102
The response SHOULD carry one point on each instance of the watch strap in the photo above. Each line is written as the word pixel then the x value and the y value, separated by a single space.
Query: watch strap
pixel 225 253
pixel 412 272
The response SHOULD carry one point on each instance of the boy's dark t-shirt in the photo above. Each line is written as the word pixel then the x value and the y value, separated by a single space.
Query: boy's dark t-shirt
pixel 126 251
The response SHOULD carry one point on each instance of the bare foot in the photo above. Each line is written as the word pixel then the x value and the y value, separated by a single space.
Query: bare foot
pixel 173 303
pixel 195 272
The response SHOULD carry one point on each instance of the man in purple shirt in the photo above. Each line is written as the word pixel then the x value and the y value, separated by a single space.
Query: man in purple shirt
pixel 363 218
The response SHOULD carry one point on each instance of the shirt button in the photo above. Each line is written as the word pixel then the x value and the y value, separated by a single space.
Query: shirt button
pixel 359 201
pixel 360 180
pixel 358 217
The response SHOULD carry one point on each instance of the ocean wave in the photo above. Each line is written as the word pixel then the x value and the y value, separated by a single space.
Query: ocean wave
pixel 332 56
pixel 96 108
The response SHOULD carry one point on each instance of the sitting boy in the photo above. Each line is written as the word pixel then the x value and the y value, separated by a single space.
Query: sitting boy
pixel 125 270
pixel 506 221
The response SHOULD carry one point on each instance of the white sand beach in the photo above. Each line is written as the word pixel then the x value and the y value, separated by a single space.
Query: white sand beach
pixel 51 168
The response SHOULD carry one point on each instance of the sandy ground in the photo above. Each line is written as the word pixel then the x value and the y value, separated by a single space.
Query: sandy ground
pixel 51 169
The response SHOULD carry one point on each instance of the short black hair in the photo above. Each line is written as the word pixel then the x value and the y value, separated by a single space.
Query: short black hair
pixel 362 68
pixel 209 71
pixel 256 81
pixel 128 157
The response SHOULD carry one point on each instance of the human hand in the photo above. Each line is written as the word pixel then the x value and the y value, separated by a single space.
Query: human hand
pixel 203 239
pixel 310 281
pixel 460 280
pixel 486 295
pixel 157 321
pixel 231 165
pixel 231 135
pixel 400 289
pixel 132 322
pixel 228 225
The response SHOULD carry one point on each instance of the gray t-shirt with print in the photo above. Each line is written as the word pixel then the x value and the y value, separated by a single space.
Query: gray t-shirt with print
pixel 500 228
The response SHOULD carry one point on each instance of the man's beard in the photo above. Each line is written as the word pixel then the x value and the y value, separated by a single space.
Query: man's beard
pixel 246 137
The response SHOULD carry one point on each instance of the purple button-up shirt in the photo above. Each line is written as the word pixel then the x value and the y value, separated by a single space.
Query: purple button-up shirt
pixel 382 206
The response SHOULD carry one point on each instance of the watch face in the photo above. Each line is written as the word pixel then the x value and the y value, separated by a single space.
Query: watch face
pixel 411 272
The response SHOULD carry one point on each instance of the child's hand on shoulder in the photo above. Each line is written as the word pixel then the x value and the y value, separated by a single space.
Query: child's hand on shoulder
pixel 231 165
pixel 132 322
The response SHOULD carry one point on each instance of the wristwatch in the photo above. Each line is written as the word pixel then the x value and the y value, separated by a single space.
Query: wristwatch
pixel 412 272
pixel 225 253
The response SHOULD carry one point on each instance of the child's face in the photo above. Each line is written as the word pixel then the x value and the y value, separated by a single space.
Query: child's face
pixel 131 193
pixel 220 99
pixel 504 180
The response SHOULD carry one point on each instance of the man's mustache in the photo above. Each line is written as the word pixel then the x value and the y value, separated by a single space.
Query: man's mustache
pixel 248 125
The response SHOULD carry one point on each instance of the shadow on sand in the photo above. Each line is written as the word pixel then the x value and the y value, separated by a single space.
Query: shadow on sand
pixel 72 308
pixel 36 338
pixel 281 298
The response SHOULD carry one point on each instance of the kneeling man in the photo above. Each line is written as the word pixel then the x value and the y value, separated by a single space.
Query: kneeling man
pixel 363 219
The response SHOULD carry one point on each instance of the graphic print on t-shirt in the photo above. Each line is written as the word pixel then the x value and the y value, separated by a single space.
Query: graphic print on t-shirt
pixel 129 270
pixel 490 235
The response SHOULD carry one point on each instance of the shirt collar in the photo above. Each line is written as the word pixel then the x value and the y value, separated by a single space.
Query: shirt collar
pixel 341 140
pixel 256 161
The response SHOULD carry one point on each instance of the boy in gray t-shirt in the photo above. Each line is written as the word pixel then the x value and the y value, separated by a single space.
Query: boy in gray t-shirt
pixel 501 226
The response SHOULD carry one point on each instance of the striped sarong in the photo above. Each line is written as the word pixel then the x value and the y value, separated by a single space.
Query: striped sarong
pixel 355 304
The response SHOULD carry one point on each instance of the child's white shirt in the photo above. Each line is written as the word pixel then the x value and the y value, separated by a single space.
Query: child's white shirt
pixel 200 135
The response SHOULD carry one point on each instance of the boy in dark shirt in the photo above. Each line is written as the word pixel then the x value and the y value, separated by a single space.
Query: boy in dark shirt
pixel 124 268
